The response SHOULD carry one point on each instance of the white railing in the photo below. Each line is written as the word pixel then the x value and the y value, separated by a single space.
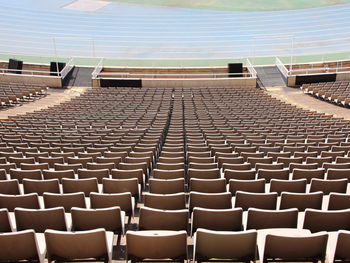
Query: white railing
pixel 69 66
pixel 112 75
pixel 281 67
pixel 251 69
pixel 97 69
pixel 25 72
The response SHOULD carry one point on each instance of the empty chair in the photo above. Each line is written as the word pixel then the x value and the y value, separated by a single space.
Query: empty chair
pixel 239 174
pixel 67 201
pixel 165 201
pixel 25 201
pixel 22 245
pixel 253 186
pixel 5 222
pixel 217 219
pixel 334 174
pixel 305 166
pixel 308 174
pixel 100 166
pixel 265 219
pixel 111 219
pixel 268 166
pixel 18 160
pixel 29 174
pixel 293 186
pixel 225 245
pixel 128 174
pixel 80 245
pixel 63 167
pixel 10 187
pixel 202 166
pixel 168 174
pixel 282 174
pixel 51 161
pixel 170 166
pixel 166 186
pixel 319 160
pixel 123 200
pixel 111 186
pixel 40 219
pixel 41 186
pixel 210 200
pixel 75 160
pixel 51 174
pixel 255 160
pixel 338 201
pixel 317 220
pixel 35 166
pixel 341 251
pixel 156 219
pixel 288 160
pixel 156 246
pixel 241 166
pixel 301 201
pixel 328 186
pixel 310 247
pixel 204 173
pixel 99 174
pixel 208 185
pixel 247 200
pixel 86 186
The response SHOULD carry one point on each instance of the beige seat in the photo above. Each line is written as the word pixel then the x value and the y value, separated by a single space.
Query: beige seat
pixel 225 245
pixel 156 219
pixel 264 219
pixel 156 246
pixel 217 219
pixel 111 219
pixel 22 245
pixel 40 219
pixel 80 245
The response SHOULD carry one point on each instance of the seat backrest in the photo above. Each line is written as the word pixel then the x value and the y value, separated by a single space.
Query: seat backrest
pixel 40 219
pixel 86 186
pixel 25 201
pixel 252 186
pixel 166 186
pixel 26 246
pixel 208 185
pixel 22 174
pixel 317 220
pixel 51 174
pixel 111 186
pixel 247 200
pixel 41 186
pixel 210 200
pixel 239 174
pixel 334 173
pixel 99 174
pixel 293 186
pixel 263 219
pixel 127 174
pixel 305 248
pixel 328 186
pixel 165 201
pixel 156 219
pixel 63 245
pixel 308 174
pixel 164 245
pixel 282 174
pixel 213 173
pixel 217 219
pixel 123 200
pixel 236 246
pixel 87 219
pixel 5 223
pixel 342 246
pixel 67 201
pixel 301 201
pixel 9 187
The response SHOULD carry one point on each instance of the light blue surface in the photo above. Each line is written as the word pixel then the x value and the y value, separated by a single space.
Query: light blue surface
pixel 127 31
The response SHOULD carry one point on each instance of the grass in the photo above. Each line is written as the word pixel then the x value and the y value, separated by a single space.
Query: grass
pixel 239 5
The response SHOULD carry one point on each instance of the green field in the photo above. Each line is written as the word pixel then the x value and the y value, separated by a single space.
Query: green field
pixel 239 5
